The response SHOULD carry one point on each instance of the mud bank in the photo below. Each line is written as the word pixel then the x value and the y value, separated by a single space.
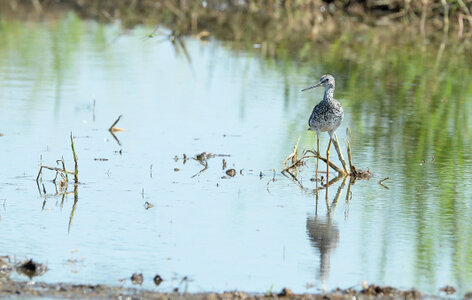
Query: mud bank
pixel 9 288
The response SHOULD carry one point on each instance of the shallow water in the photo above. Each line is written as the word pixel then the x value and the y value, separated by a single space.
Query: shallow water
pixel 257 231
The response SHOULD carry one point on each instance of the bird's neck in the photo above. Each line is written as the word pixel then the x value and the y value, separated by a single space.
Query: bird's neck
pixel 329 93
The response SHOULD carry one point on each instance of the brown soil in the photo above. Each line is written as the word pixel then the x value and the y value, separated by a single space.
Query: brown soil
pixel 9 288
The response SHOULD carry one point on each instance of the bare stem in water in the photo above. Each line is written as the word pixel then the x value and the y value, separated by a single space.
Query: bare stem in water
pixel 340 154
pixel 76 165
pixel 293 155
pixel 64 169
pixel 348 138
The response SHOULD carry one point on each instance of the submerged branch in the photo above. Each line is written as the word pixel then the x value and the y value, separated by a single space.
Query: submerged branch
pixel 331 164
pixel 344 172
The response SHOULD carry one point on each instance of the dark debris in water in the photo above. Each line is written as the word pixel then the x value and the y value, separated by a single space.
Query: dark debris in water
pixel 208 155
pixel 231 172
pixel 147 205
pixel 31 268
pixel 360 174
pixel 448 289
pixel 137 278
pixel 158 280
pixel 202 158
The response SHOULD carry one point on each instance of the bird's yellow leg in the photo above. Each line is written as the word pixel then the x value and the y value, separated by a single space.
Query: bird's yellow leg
pixel 327 161
pixel 317 156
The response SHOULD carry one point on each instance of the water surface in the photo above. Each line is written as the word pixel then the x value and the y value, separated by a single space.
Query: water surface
pixel 407 108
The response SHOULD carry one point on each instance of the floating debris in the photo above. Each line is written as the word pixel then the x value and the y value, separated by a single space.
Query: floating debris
pixel 137 278
pixel 208 155
pixel 147 205
pixel 449 290
pixel 184 158
pixel 360 174
pixel 231 172
pixel 31 268
pixel 202 159
pixel 158 280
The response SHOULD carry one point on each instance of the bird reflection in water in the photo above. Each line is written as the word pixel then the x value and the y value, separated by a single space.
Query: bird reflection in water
pixel 324 234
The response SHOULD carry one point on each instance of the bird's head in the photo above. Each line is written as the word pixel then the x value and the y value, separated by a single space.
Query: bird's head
pixel 326 81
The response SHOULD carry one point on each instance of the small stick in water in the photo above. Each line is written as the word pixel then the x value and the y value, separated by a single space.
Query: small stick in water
pixel 113 128
pixel 381 182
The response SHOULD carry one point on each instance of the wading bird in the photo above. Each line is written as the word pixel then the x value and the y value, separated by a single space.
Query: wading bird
pixel 326 116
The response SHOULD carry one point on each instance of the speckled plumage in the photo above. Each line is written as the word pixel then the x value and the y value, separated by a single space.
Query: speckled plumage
pixel 328 114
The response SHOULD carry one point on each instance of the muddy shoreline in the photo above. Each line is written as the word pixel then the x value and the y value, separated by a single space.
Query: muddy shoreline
pixel 10 288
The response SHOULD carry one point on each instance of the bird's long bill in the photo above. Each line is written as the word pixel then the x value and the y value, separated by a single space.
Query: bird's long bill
pixel 312 87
